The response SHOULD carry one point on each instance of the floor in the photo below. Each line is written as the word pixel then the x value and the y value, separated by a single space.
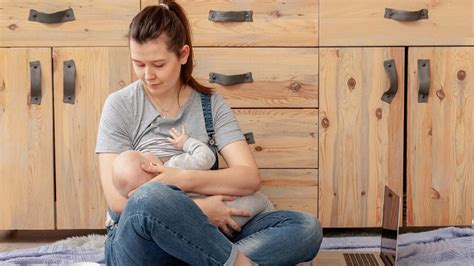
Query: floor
pixel 19 239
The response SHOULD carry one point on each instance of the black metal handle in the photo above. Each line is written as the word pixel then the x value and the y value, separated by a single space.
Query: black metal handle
pixel 402 15
pixel 69 81
pixel 230 16
pixel 35 81
pixel 249 138
pixel 423 80
pixel 391 69
pixel 57 17
pixel 230 79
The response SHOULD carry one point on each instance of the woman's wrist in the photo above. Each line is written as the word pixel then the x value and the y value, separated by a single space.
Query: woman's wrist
pixel 187 177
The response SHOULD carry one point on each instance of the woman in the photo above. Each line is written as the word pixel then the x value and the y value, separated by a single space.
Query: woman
pixel 159 224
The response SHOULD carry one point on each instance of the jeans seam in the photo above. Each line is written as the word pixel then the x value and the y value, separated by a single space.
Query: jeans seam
pixel 165 227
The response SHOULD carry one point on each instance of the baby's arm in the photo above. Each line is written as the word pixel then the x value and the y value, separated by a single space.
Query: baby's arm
pixel 197 156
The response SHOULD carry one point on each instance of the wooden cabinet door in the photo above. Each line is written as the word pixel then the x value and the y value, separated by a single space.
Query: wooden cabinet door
pixel 26 141
pixel 99 71
pixel 360 136
pixel 440 154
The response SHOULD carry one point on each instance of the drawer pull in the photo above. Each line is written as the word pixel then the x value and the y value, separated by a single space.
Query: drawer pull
pixel 402 15
pixel 391 69
pixel 423 80
pixel 35 81
pixel 230 16
pixel 69 81
pixel 230 79
pixel 249 138
pixel 57 17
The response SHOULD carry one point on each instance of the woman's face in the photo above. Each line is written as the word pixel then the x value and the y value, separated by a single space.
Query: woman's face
pixel 157 68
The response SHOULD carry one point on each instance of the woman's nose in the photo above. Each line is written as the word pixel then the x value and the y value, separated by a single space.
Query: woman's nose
pixel 149 75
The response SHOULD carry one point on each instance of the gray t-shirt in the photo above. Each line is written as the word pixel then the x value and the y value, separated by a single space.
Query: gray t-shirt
pixel 130 122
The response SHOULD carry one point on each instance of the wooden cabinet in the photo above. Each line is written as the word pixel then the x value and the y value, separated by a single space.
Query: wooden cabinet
pixel 312 77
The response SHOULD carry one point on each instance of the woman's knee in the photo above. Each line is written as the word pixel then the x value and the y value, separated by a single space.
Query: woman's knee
pixel 312 232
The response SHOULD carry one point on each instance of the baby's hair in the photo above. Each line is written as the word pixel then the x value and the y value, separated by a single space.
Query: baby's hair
pixel 167 20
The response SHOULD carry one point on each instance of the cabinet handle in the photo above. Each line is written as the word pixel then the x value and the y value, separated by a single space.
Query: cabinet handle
pixel 230 16
pixel 35 81
pixel 423 80
pixel 57 17
pixel 230 79
pixel 403 15
pixel 249 138
pixel 69 81
pixel 391 69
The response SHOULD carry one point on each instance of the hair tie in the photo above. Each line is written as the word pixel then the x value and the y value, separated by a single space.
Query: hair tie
pixel 165 5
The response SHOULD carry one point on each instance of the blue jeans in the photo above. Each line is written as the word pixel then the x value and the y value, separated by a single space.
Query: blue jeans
pixel 161 225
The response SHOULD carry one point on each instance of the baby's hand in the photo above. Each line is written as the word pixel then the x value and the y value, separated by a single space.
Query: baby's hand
pixel 179 138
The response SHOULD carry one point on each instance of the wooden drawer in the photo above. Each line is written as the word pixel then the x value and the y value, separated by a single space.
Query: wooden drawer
pixel 97 23
pixel 275 23
pixel 362 23
pixel 284 138
pixel 291 189
pixel 282 77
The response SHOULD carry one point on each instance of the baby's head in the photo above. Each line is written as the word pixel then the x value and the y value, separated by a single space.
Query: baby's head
pixel 127 172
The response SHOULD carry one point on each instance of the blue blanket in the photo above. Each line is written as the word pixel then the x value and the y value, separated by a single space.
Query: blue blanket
pixel 52 255
pixel 446 246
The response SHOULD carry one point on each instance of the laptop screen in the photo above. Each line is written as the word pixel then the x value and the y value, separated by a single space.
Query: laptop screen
pixel 390 222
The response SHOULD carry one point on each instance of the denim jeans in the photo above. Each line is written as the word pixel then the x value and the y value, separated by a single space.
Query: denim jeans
pixel 161 225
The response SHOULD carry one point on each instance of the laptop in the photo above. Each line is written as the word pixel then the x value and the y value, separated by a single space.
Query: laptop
pixel 390 225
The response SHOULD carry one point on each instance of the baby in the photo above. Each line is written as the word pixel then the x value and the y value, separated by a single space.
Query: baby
pixel 128 174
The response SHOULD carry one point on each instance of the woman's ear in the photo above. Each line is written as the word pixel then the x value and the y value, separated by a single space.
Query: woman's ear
pixel 183 58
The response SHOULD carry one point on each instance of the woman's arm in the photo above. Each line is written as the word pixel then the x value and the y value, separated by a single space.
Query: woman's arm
pixel 240 178
pixel 115 201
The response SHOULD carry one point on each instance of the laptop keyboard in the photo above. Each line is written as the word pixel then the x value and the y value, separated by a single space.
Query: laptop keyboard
pixel 360 259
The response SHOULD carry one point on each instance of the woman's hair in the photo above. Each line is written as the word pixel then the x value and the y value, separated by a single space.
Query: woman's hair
pixel 167 20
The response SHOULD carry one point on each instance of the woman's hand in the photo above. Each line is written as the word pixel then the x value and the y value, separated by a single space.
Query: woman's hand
pixel 167 175
pixel 220 214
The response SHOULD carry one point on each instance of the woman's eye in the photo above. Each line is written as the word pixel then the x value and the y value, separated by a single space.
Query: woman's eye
pixel 158 65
